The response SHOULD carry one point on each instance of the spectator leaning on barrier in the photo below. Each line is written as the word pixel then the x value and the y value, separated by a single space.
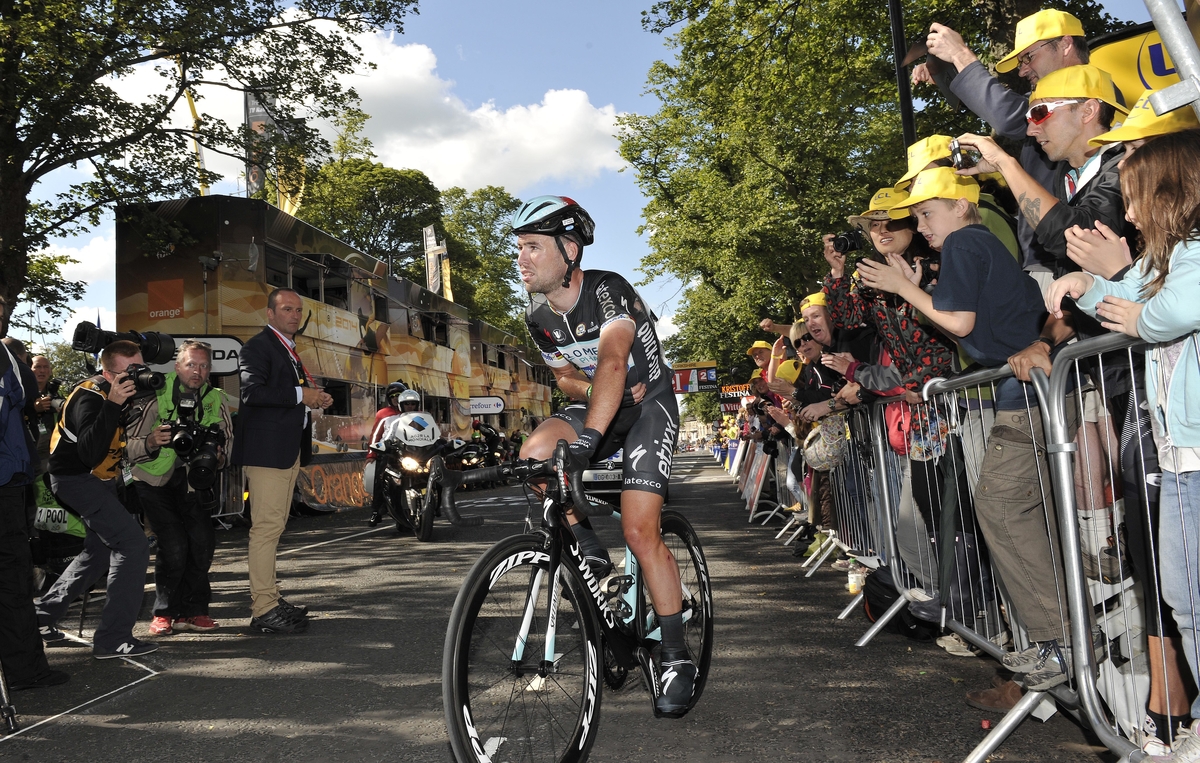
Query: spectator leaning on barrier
pixel 1067 109
pixel 179 514
pixel 934 151
pixel 1156 301
pixel 1045 42
pixel 994 310
pixel 85 463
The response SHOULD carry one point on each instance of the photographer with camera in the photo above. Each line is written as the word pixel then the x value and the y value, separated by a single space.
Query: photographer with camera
pixel 177 447
pixel 86 449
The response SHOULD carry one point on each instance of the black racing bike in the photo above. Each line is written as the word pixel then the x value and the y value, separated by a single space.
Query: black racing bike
pixel 533 633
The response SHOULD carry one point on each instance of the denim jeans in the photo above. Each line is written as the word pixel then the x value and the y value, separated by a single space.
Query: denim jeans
pixel 1179 558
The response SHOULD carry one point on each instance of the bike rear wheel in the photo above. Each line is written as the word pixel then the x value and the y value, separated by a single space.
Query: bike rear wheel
pixel 521 666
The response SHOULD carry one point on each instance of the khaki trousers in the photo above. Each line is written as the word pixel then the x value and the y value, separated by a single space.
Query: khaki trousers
pixel 270 503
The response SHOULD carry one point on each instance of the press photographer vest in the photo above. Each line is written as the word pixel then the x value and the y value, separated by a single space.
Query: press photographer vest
pixel 210 413
pixel 111 465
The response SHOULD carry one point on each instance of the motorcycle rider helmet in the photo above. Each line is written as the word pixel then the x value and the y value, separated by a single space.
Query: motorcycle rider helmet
pixel 395 389
pixel 557 216
pixel 408 397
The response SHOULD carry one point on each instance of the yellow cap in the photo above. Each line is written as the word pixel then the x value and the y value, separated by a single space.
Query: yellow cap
pixel 937 183
pixel 1043 25
pixel 1144 123
pixel 921 153
pixel 814 300
pixel 756 374
pixel 759 345
pixel 883 200
pixel 1084 81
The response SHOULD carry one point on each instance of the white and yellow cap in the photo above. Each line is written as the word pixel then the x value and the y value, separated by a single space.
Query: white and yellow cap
pixel 1083 81
pixel 883 200
pixel 1043 25
pixel 937 183
pixel 1142 122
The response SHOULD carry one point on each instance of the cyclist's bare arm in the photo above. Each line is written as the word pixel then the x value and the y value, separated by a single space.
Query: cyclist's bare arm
pixel 571 381
pixel 608 385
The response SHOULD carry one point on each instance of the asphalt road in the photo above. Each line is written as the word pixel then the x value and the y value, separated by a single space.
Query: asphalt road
pixel 364 684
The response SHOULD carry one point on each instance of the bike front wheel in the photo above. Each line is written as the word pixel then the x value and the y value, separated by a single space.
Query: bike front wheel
pixel 521 665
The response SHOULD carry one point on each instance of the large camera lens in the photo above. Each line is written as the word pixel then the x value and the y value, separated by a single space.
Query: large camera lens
pixel 144 379
pixel 847 242
pixel 182 441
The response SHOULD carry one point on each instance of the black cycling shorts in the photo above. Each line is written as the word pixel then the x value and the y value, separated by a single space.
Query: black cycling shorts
pixel 648 432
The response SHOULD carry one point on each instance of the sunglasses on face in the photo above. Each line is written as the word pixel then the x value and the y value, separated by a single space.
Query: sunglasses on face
pixel 806 338
pixel 1040 113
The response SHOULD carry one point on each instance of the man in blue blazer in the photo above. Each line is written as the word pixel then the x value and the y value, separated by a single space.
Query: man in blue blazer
pixel 272 440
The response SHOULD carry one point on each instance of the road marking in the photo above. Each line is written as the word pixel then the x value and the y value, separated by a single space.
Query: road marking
pixel 334 540
pixel 150 671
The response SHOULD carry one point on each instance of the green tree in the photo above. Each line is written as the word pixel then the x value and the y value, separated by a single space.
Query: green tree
pixel 47 296
pixel 71 366
pixel 778 119
pixel 480 221
pixel 59 62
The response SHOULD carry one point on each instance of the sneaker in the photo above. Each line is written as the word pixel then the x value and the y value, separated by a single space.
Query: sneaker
pixel 1185 747
pixel 919 594
pixel 278 621
pixel 50 634
pixel 375 519
pixel 131 648
pixel 197 623
pixel 842 564
pixel 677 677
pixel 1022 661
pixel 600 563
pixel 52 678
pixel 294 611
pixel 956 645
pixel 1052 668
pixel 160 626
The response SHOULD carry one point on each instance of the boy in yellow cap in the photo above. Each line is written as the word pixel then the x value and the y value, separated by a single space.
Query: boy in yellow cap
pixel 992 309
pixel 1045 42
pixel 1067 109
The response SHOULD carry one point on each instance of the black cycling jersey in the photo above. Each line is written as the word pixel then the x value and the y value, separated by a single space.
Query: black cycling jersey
pixel 574 337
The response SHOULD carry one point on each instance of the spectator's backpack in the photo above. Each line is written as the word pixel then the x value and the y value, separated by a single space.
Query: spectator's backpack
pixel 879 594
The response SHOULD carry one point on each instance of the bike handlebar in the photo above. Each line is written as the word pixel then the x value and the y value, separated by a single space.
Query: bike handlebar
pixel 525 469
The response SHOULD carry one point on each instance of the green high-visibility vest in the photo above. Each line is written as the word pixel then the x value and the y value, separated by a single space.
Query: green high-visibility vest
pixel 210 413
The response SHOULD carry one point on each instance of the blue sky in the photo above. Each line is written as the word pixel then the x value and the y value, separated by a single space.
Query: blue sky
pixel 517 93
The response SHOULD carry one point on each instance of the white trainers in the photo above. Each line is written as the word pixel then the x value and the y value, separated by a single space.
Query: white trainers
pixel 1186 747
pixel 956 645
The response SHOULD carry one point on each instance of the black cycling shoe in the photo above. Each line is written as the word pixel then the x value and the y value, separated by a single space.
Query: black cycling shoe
pixel 600 563
pixel 676 681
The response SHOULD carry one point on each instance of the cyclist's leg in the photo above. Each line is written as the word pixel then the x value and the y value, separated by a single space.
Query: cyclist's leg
pixel 641 514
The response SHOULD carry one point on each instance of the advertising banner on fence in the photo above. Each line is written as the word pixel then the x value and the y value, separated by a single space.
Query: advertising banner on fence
pixel 334 481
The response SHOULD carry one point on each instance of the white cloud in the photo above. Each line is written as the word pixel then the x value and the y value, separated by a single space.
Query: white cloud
pixel 666 327
pixel 418 122
pixel 96 258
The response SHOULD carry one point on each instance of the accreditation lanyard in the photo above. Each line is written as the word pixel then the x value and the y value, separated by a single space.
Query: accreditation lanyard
pixel 303 377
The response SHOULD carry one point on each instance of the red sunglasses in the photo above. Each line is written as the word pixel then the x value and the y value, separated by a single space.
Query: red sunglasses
pixel 1040 113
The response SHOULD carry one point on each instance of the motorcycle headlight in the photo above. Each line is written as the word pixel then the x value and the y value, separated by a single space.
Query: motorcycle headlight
pixel 410 464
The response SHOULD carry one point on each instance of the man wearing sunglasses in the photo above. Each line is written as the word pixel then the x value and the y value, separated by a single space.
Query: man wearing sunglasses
pixel 1045 42
pixel 1066 110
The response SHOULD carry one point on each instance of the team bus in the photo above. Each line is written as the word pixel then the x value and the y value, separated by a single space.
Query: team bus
pixel 202 267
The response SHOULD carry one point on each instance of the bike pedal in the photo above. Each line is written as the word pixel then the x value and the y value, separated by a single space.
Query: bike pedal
pixel 618 584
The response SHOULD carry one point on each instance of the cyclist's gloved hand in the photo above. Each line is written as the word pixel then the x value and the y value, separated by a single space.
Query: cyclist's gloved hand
pixel 584 448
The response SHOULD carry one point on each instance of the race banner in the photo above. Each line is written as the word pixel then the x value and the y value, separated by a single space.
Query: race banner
pixel 694 377
pixel 334 481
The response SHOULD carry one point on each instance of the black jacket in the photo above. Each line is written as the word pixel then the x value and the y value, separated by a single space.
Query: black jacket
pixel 1099 199
pixel 270 427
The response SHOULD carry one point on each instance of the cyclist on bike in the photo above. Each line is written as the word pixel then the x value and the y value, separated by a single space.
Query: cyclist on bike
pixel 598 338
